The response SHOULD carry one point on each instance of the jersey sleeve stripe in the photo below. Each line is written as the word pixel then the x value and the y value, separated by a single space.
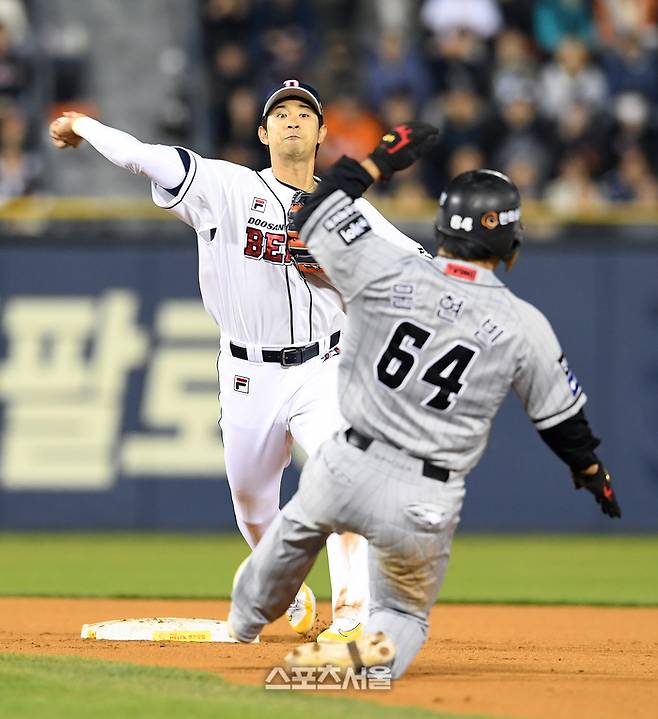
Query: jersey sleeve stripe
pixel 187 161
pixel 184 188
pixel 552 419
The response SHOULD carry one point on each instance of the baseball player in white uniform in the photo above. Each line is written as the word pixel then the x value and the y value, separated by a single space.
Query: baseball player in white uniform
pixel 280 327
pixel 431 350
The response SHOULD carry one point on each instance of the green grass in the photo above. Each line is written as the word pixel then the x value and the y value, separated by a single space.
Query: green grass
pixel 115 565
pixel 554 569
pixel 580 569
pixel 68 688
pixel 496 568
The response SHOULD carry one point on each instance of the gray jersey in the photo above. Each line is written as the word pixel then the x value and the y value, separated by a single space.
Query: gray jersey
pixel 433 345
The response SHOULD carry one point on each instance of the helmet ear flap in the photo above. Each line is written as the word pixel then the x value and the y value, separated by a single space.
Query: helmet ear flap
pixel 513 255
pixel 511 260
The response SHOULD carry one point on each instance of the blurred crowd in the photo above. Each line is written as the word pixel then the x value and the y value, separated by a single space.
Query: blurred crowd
pixel 43 70
pixel 20 163
pixel 562 95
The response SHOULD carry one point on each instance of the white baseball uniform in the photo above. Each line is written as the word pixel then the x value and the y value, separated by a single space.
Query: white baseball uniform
pixel 262 305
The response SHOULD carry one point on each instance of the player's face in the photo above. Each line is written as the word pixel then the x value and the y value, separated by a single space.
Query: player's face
pixel 293 130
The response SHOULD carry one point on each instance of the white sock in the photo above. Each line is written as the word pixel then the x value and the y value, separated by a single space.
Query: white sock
pixel 348 569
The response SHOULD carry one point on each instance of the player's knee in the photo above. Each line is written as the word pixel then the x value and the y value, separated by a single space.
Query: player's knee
pixel 246 504
pixel 384 613
pixel 252 507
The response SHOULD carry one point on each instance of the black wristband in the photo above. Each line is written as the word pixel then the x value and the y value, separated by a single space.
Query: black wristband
pixel 382 163
pixel 573 442
pixel 348 175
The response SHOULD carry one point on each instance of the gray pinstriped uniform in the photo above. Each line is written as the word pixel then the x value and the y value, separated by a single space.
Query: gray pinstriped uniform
pixel 431 349
pixel 508 343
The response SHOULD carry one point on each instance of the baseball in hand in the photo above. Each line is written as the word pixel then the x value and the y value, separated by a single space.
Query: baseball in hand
pixel 61 131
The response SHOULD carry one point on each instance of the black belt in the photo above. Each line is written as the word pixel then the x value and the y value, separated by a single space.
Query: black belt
pixel 431 471
pixel 288 356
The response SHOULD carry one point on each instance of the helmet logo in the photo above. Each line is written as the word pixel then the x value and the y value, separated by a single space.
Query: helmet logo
pixel 492 219
pixel 506 218
pixel 457 222
pixel 489 220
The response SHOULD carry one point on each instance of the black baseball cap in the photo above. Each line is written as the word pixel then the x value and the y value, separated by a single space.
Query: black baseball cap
pixel 294 88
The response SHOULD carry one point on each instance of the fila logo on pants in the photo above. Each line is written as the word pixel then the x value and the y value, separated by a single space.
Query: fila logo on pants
pixel 241 384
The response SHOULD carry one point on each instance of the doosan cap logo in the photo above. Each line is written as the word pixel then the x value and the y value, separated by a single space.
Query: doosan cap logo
pixel 294 89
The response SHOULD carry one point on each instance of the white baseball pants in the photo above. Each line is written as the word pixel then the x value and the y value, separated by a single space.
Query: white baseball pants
pixel 264 407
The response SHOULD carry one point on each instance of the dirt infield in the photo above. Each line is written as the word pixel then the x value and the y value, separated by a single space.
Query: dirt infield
pixel 509 661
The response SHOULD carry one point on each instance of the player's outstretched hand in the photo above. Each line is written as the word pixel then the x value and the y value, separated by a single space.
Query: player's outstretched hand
pixel 61 131
pixel 599 485
pixel 402 145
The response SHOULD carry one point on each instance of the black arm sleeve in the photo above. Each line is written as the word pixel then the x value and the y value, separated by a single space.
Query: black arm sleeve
pixel 573 442
pixel 347 175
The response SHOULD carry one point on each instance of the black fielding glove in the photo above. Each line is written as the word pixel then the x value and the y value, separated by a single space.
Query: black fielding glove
pixel 299 199
pixel 299 253
pixel 599 485
pixel 402 146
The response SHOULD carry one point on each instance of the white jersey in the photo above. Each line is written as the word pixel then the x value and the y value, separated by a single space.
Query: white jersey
pixel 259 300
pixel 248 284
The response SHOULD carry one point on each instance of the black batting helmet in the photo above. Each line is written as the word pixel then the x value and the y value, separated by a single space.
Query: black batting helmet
pixel 482 207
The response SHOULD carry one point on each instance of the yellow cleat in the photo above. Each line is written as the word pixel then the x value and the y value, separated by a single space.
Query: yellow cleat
pixel 301 614
pixel 339 633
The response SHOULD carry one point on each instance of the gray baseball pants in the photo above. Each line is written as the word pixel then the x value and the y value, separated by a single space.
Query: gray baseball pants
pixel 408 519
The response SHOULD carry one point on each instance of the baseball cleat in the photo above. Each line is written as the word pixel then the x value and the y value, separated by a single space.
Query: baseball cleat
pixel 342 630
pixel 301 614
pixel 368 651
